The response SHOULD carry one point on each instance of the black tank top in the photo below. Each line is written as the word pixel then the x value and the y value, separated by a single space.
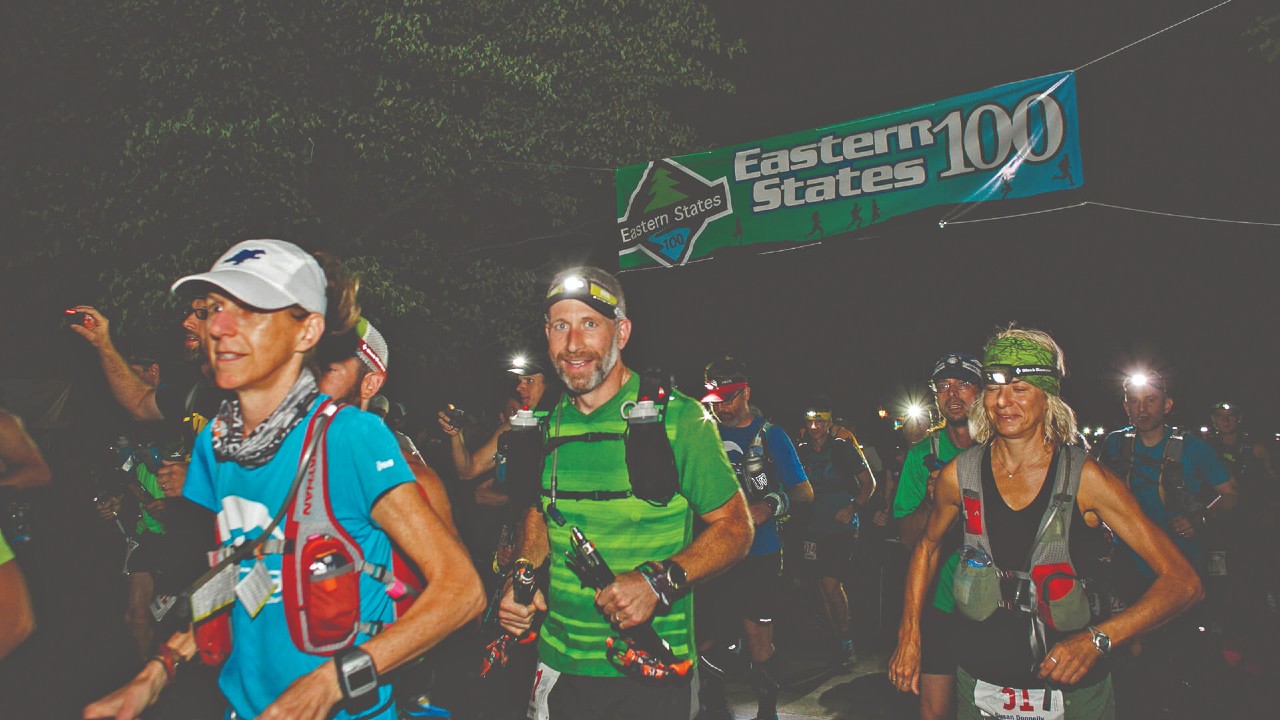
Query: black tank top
pixel 998 650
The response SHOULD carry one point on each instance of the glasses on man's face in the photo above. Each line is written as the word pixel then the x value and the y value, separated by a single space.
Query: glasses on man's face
pixel 730 398
pixel 946 386
pixel 199 312
pixel 1005 374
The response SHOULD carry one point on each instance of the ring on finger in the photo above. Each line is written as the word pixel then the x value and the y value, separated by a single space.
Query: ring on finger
pixel 1054 659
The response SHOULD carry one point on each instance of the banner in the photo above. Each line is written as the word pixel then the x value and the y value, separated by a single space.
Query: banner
pixel 1011 141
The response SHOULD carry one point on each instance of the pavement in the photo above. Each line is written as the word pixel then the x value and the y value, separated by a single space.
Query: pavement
pixel 861 692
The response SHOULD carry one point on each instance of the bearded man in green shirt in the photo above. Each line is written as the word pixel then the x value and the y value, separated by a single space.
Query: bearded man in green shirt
pixel 587 485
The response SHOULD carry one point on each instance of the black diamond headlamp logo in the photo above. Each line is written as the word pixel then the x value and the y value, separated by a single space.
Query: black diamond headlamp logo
pixel 669 209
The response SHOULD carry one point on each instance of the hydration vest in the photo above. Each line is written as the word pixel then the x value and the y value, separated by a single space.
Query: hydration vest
pixel 322 563
pixel 1049 590
pixel 1171 483
pixel 651 462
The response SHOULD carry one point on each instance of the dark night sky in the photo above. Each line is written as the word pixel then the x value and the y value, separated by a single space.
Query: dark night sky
pixel 1182 123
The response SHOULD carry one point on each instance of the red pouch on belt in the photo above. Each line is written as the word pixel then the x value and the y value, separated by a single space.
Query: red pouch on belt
pixel 213 638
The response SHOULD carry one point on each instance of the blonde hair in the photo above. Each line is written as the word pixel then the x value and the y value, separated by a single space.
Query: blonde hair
pixel 1060 427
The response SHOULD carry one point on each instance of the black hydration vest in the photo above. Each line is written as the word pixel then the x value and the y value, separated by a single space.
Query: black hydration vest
pixel 651 462
pixel 1172 485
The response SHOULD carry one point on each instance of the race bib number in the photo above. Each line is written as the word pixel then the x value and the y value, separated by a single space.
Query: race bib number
pixel 810 550
pixel 1016 704
pixel 543 681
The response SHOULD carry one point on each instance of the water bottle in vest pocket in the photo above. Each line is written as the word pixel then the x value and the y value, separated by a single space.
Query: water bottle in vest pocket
pixel 976 584
pixel 1061 597
pixel 329 608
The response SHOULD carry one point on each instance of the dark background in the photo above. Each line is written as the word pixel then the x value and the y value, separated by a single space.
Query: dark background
pixel 1181 123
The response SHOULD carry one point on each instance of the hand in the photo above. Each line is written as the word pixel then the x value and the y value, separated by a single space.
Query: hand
pixel 445 425
pixel 881 518
pixel 1069 660
pixel 172 477
pixel 109 508
pixel 155 508
pixel 845 515
pixel 760 512
pixel 1183 527
pixel 129 701
pixel 95 328
pixel 311 696
pixel 628 601
pixel 516 618
pixel 904 667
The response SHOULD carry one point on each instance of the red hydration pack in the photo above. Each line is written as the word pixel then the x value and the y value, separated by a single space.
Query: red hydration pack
pixel 321 567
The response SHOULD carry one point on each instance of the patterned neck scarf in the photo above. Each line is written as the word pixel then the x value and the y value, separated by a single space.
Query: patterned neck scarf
pixel 229 442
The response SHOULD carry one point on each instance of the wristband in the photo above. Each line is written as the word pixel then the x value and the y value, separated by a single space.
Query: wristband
pixel 169 660
pixel 778 503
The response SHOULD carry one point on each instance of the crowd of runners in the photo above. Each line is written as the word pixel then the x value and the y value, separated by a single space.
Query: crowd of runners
pixel 609 546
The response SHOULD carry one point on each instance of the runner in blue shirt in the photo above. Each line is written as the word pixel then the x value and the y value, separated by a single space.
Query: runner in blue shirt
pixel 773 479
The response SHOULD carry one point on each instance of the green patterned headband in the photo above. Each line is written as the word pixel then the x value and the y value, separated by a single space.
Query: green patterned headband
pixel 1023 360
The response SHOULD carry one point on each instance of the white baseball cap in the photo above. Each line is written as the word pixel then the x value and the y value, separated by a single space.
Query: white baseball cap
pixel 268 275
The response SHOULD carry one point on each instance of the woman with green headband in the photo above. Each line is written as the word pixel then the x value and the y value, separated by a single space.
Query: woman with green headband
pixel 1017 580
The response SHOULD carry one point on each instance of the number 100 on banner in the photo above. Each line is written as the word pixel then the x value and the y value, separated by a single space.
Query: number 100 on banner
pixel 1006 142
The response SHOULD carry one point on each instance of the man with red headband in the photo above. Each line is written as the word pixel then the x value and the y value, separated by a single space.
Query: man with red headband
pixel 744 601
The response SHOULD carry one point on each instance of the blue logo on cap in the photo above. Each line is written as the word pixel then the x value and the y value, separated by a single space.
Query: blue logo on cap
pixel 244 255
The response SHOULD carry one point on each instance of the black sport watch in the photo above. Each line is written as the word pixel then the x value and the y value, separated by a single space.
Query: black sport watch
pixel 1101 641
pixel 357 677
pixel 667 579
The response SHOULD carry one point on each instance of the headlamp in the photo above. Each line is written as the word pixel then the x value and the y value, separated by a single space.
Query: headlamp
pixel 1005 374
pixel 1144 379
pixel 812 415
pixel 915 412
pixel 591 292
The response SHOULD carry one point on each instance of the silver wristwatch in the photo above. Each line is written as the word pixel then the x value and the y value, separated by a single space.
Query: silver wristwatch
pixel 1101 641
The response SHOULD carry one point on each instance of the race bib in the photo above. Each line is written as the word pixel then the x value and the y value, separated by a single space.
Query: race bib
pixel 1216 563
pixel 543 681
pixel 1015 704
pixel 810 550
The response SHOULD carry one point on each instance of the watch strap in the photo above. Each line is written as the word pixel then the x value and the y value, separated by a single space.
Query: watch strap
pixel 357 675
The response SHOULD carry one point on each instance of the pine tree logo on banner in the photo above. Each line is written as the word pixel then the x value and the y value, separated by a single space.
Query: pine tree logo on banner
pixel 668 210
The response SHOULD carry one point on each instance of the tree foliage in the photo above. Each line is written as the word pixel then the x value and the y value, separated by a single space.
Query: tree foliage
pixel 399 134
pixel 1264 37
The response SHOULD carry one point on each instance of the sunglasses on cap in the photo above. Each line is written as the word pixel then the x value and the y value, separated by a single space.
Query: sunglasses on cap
pixel 1005 374
pixel 588 291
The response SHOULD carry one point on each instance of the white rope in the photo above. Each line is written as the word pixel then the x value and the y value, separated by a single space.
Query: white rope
pixel 943 224
pixel 1126 47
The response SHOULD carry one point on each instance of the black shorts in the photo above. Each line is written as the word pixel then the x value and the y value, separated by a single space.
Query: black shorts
pixel 827 554
pixel 937 642
pixel 749 590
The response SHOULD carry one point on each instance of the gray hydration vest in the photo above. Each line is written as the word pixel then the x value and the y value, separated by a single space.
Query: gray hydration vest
pixel 1048 589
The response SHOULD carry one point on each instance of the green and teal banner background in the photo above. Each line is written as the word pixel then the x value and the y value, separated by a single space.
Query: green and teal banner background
pixel 1011 141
